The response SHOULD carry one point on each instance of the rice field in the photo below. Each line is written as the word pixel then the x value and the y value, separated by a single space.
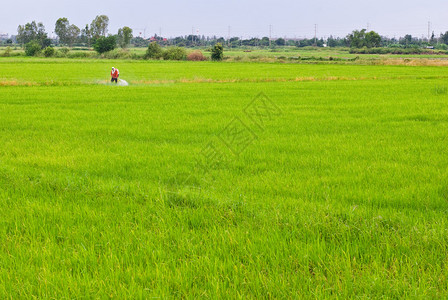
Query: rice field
pixel 222 180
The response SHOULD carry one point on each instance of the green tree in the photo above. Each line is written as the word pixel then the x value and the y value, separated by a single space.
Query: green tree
pixel 86 36
pixel 42 36
pixel 61 29
pixel 217 52
pixel 332 42
pixel 372 39
pixel 280 42
pixel 407 40
pixel 139 42
pixel 154 51
pixel 264 41
pixel 124 36
pixel 444 38
pixel 73 34
pixel 99 26
pixel 32 48
pixel 26 33
pixel 433 39
pixel 356 38
pixel 105 44
pixel 33 32
pixel 360 39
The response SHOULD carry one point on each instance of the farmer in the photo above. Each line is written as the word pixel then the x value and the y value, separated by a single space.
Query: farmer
pixel 114 73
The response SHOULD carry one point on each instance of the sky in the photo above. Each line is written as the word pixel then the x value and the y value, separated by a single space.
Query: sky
pixel 243 18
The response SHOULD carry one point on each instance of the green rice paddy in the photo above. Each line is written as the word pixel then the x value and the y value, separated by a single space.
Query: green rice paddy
pixel 222 180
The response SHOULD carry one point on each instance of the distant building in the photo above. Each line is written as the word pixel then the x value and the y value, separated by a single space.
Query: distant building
pixel 157 39
pixel 4 36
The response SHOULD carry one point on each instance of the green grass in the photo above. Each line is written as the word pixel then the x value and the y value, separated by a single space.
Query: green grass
pixel 343 194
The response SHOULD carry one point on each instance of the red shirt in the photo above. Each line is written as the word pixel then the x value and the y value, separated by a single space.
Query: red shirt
pixel 114 74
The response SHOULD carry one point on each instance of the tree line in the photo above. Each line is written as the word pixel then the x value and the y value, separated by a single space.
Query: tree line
pixel 96 34
pixel 68 34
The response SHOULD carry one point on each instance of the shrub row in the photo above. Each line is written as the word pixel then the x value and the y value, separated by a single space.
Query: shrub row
pixel 395 51
pixel 154 51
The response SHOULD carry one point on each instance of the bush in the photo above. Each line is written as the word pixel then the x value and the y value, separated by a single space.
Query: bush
pixel 117 53
pixel 174 53
pixel 392 50
pixel 196 56
pixel 7 52
pixel 62 52
pixel 154 51
pixel 59 53
pixel 49 51
pixel 105 44
pixel 217 52
pixel 441 47
pixel 32 48
pixel 83 54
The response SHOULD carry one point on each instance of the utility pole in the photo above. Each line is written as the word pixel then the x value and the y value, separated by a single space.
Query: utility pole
pixel 270 35
pixel 228 36
pixel 429 30
pixel 315 35
pixel 198 39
